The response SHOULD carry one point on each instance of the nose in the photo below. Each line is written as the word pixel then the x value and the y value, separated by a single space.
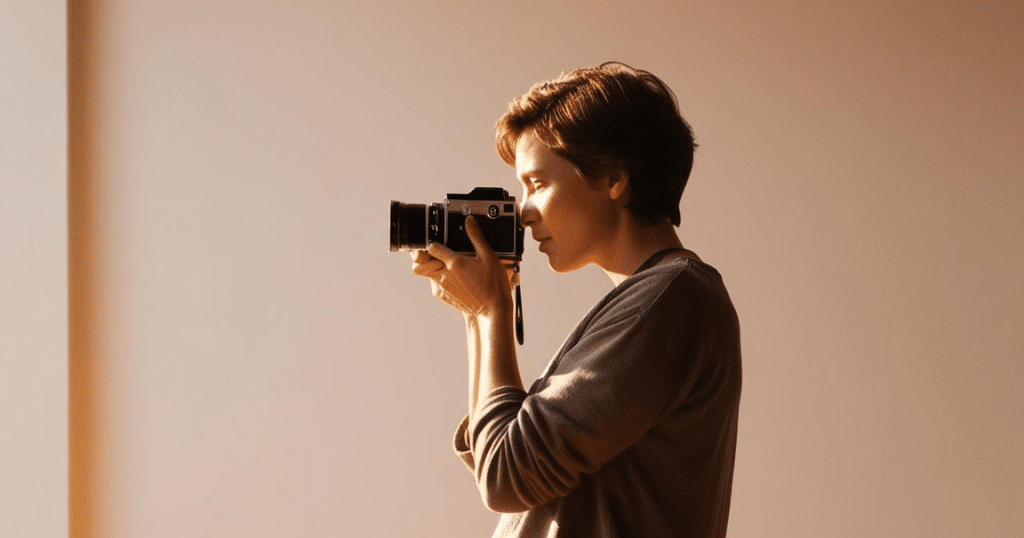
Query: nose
pixel 528 214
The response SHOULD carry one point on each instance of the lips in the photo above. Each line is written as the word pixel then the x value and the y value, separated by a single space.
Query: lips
pixel 541 242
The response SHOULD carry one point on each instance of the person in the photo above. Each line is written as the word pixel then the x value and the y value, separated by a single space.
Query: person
pixel 631 430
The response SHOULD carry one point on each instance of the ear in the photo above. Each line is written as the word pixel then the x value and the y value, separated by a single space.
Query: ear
pixel 618 185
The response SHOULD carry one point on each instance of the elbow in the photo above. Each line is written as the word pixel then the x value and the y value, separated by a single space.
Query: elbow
pixel 504 487
pixel 507 493
pixel 503 501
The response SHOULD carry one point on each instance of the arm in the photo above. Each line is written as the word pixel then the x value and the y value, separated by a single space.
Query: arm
pixel 527 450
pixel 473 345
pixel 492 358
pixel 480 288
pixel 626 367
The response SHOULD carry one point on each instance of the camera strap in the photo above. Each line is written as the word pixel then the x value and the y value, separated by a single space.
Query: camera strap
pixel 519 311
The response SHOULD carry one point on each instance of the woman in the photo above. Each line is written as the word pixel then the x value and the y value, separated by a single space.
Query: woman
pixel 631 430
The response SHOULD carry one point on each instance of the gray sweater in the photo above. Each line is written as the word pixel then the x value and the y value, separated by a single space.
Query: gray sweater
pixel 631 430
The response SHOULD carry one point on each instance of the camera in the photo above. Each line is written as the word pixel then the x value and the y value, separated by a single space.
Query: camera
pixel 414 226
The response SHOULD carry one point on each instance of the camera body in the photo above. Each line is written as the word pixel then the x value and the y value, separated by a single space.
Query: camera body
pixel 414 226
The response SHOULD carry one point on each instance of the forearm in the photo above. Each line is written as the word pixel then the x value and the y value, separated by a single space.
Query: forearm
pixel 473 352
pixel 492 354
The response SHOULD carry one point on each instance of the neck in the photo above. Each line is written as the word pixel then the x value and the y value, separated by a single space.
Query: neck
pixel 634 245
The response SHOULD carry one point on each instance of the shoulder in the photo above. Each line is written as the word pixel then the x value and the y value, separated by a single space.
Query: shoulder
pixel 681 304
pixel 673 285
pixel 674 307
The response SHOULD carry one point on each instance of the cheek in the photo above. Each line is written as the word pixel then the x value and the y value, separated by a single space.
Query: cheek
pixel 560 212
pixel 573 215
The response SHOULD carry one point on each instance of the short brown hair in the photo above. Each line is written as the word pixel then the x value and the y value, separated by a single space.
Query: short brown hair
pixel 606 118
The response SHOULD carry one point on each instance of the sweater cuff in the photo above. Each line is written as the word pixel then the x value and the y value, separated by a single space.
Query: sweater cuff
pixel 461 443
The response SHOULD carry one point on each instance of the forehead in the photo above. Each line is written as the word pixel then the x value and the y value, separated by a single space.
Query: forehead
pixel 534 157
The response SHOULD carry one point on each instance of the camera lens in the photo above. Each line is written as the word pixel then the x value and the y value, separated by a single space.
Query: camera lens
pixel 493 211
pixel 408 226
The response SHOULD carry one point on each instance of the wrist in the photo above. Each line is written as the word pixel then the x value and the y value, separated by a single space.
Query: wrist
pixel 499 312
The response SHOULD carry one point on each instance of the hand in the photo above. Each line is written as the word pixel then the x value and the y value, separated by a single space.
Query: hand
pixel 478 285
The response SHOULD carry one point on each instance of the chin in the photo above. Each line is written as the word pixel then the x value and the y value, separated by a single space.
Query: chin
pixel 564 266
pixel 559 270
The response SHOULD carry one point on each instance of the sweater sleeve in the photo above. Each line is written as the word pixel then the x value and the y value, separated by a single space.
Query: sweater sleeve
pixel 461 442
pixel 606 392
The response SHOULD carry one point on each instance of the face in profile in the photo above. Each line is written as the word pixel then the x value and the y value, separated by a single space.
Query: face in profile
pixel 572 220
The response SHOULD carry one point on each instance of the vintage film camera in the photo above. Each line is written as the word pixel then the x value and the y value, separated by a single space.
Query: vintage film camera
pixel 414 226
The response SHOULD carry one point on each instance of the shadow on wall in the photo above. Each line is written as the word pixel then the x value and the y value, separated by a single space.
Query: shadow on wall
pixel 83 269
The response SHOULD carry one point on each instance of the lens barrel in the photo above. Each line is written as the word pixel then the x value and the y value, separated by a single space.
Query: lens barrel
pixel 408 226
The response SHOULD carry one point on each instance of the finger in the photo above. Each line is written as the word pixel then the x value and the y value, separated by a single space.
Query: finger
pixel 513 276
pixel 441 252
pixel 428 267
pixel 476 236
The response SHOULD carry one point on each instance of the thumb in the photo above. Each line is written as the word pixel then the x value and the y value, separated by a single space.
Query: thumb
pixel 476 236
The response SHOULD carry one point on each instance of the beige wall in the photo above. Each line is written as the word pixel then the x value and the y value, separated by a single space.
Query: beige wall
pixel 33 269
pixel 257 364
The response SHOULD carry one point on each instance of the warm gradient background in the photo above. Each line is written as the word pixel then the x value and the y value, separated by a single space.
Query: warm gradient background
pixel 247 359
pixel 33 269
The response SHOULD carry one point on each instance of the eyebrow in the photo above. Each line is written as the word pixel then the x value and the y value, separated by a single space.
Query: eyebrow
pixel 532 171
